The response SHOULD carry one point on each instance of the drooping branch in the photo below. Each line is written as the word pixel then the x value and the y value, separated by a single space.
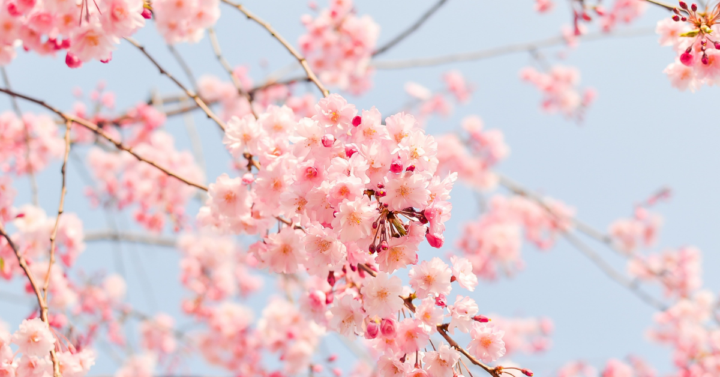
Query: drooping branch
pixel 42 303
pixel 303 62
pixel 92 127
pixel 61 207
pixel 582 247
pixel 662 4
pixel 218 54
pixel 188 92
pixel 499 51
pixel 411 29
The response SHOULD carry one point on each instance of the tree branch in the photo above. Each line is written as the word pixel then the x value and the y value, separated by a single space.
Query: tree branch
pixel 133 237
pixel 504 50
pixel 303 62
pixel 42 303
pixel 218 54
pixel 99 131
pixel 411 29
pixel 188 92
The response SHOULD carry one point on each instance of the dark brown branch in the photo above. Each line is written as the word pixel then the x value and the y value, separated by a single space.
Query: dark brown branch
pixel 411 29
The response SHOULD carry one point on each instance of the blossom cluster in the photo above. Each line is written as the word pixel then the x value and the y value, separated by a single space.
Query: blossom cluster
pixel 560 90
pixel 86 31
pixel 339 44
pixel 29 143
pixel 493 242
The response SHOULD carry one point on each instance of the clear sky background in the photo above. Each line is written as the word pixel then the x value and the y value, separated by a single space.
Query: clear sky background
pixel 640 135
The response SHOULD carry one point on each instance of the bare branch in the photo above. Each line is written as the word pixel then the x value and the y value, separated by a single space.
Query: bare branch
pixel 303 62
pixel 229 70
pixel 499 51
pixel 143 238
pixel 99 131
pixel 660 3
pixel 61 208
pixel 188 92
pixel 411 29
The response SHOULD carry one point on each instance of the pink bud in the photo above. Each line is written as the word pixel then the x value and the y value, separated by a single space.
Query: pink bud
pixel 527 372
pixel 384 246
pixel 410 168
pixel 13 10
pixel 72 61
pixel 683 5
pixel 329 298
pixel 435 241
pixel 356 121
pixel 350 150
pixel 705 59
pixel 380 193
pixel 311 172
pixel 332 358
pixel 372 249
pixel 146 14
pixel 693 7
pixel 372 330
pixel 331 278
pixel 387 327
pixel 481 319
pixel 686 58
pixel 380 186
pixel 65 43
pixel 676 18
pixel 328 140
pixel 396 167
pixel 441 301
pixel 248 178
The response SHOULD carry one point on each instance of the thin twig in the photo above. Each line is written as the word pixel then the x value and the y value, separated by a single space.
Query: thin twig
pixel 411 29
pixel 612 274
pixel 38 294
pixel 660 3
pixel 99 131
pixel 218 54
pixel 143 238
pixel 16 108
pixel 303 62
pixel 188 92
pixel 185 67
pixel 61 208
pixel 504 50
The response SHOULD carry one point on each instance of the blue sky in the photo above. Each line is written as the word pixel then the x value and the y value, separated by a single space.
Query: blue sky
pixel 640 135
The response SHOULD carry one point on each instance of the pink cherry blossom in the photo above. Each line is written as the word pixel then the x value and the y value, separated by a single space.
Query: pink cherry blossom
pixel 381 295
pixel 487 343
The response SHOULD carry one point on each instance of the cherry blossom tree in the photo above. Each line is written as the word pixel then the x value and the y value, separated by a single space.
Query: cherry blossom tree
pixel 314 229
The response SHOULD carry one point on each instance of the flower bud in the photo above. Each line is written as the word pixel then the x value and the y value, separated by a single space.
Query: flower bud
pixel 248 178
pixel 372 249
pixel 676 18
pixel 435 241
pixel 441 301
pixel 329 298
pixel 693 7
pixel 683 5
pixel 72 61
pixel 331 278
pixel 380 186
pixel 350 150
pixel 686 58
pixel 705 59
pixel 328 140
pixel 396 167
pixel 332 358
pixel 356 121
pixel 410 168
pixel 384 246
pixel 146 13
pixel 387 327
pixel 481 319
pixel 372 330
pixel 527 372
